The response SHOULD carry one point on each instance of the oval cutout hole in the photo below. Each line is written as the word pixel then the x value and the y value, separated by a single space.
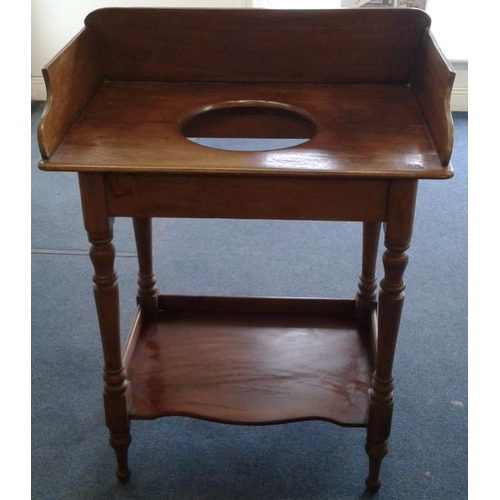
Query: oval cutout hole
pixel 248 126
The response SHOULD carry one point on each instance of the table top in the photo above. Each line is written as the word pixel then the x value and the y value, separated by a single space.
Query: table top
pixel 358 130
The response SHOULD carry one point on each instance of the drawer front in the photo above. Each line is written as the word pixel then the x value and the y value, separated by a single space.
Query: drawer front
pixel 244 197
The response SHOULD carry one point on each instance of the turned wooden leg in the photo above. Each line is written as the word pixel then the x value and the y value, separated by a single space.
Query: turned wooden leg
pixel 367 285
pixel 390 305
pixel 147 293
pixel 102 255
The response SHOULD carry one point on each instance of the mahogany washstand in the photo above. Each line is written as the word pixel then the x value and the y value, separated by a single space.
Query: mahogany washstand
pixel 367 93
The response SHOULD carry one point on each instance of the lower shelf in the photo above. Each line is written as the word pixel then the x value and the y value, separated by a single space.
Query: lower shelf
pixel 251 361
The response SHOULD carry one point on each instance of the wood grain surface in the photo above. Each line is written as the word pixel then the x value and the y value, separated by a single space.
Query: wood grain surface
pixel 258 45
pixel 251 368
pixel 361 130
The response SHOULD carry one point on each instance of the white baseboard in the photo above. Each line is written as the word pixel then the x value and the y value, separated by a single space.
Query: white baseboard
pixel 460 99
pixel 459 95
pixel 38 92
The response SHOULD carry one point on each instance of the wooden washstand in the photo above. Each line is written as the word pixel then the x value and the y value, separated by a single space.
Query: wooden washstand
pixel 366 93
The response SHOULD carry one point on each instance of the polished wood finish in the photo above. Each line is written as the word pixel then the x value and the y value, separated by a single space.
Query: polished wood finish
pixel 136 126
pixel 252 367
pixel 132 337
pixel 398 231
pixel 217 45
pixel 367 285
pixel 432 83
pixel 147 293
pixel 257 197
pixel 271 305
pixel 248 119
pixel 368 88
pixel 102 254
pixel 68 92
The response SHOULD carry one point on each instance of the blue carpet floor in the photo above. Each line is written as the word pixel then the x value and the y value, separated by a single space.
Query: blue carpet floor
pixel 186 459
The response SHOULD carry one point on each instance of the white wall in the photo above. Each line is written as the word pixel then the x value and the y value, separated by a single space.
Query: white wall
pixel 460 92
pixel 450 19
